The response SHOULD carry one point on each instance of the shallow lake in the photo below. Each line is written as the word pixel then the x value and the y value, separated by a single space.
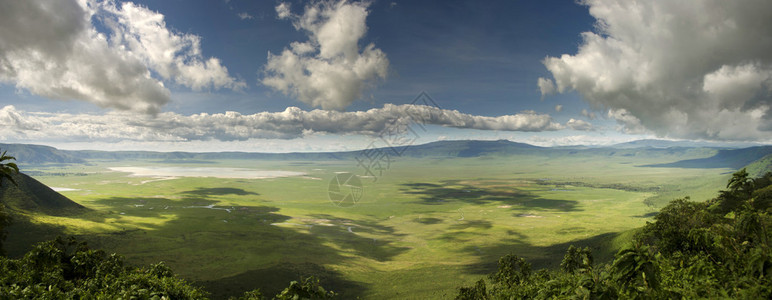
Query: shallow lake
pixel 241 173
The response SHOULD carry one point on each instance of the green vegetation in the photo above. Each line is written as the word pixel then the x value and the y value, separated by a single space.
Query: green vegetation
pixel 714 249
pixel 428 225
pixel 69 269
pixel 7 170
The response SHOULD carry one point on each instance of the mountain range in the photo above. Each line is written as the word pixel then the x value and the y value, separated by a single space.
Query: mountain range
pixel 720 156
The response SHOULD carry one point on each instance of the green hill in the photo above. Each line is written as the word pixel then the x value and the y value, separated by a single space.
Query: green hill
pixel 725 158
pixel 759 167
pixel 32 196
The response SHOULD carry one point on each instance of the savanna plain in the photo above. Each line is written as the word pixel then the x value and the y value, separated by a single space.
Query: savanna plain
pixel 423 227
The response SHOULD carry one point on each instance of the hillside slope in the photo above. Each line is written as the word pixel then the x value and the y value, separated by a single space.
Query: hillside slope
pixel 727 158
pixel 32 196
pixel 759 167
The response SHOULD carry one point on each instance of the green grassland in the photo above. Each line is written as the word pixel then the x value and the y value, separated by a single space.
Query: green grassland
pixel 425 227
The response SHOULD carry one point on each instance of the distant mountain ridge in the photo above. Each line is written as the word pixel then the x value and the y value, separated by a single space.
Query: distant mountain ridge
pixel 725 158
pixel 721 157
pixel 654 143
pixel 38 154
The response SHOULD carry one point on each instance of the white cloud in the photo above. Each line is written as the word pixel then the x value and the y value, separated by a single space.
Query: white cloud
pixel 629 123
pixel 283 10
pixel 328 70
pixel 586 140
pixel 580 125
pixel 291 123
pixel 245 16
pixel 558 108
pixel 173 55
pixel 590 115
pixel 546 86
pixel 52 49
pixel 684 69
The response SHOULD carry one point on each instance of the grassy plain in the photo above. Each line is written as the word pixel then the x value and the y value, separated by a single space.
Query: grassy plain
pixel 425 227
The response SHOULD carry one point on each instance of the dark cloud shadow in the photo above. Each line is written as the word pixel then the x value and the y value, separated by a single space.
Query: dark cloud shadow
pixel 220 191
pixel 346 234
pixel 190 235
pixel 436 194
pixel 275 278
pixel 428 221
pixel 540 257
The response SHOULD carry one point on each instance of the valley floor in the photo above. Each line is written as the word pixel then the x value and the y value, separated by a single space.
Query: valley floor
pixel 422 229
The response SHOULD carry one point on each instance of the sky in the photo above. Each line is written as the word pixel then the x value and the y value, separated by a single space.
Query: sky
pixel 298 76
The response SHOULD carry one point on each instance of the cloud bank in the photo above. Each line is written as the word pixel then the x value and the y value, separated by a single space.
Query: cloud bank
pixel 684 69
pixel 328 70
pixel 52 48
pixel 291 123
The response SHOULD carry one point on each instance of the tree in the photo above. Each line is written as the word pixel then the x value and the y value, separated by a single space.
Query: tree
pixel 69 269
pixel 512 270
pixel 577 260
pixel 7 170
pixel 740 189
pixel 476 292
pixel 308 288
pixel 637 269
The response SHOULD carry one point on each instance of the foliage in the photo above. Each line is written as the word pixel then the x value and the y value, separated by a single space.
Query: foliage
pixel 68 269
pixel 5 220
pixel 577 260
pixel 476 292
pixel 7 170
pixel 308 288
pixel 716 249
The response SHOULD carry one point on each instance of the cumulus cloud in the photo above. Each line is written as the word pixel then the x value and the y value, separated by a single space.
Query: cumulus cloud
pixel 52 48
pixel 684 69
pixel 232 126
pixel 580 125
pixel 558 108
pixel 174 56
pixel 283 10
pixel 546 86
pixel 329 70
pixel 628 122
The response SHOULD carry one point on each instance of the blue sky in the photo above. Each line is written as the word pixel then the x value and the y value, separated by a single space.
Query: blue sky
pixel 331 75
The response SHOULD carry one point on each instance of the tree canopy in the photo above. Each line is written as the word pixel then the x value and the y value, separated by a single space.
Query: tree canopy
pixel 714 249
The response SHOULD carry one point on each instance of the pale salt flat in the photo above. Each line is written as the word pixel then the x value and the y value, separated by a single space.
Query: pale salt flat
pixel 63 189
pixel 240 173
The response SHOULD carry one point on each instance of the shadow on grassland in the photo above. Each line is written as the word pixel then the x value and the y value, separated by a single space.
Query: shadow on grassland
pixel 438 194
pixel 220 191
pixel 229 249
pixel 23 234
pixel 275 278
pixel 346 234
pixel 540 257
